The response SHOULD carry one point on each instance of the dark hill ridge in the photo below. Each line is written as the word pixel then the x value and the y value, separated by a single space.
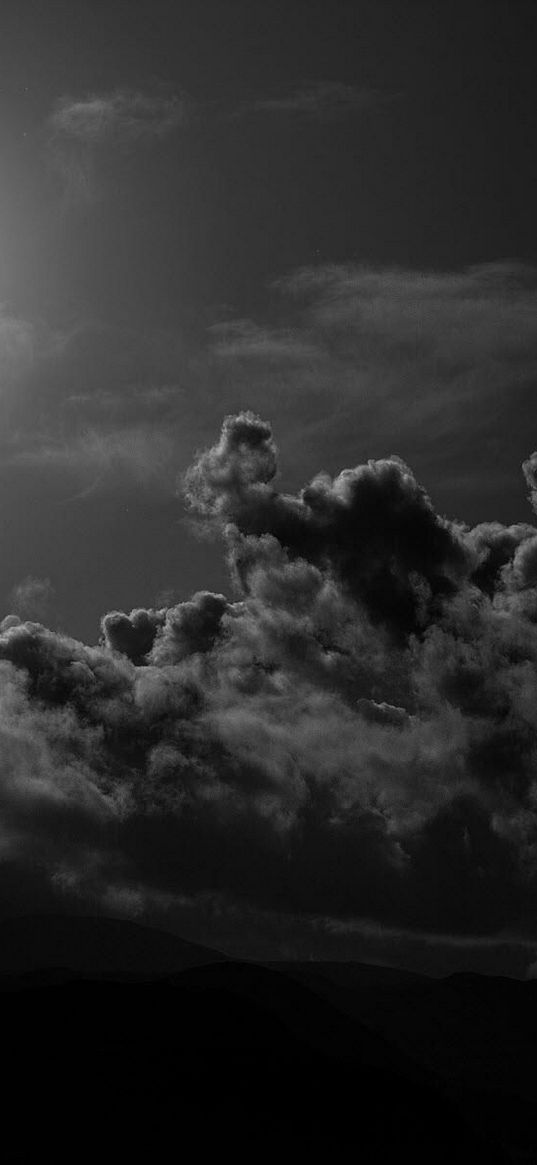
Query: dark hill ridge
pixel 93 946
pixel 475 1034
pixel 229 1058
pixel 480 1029
pixel 144 1048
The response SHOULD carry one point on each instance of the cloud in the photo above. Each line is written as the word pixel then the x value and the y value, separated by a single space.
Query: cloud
pixel 488 308
pixel 322 100
pixel 373 526
pixel 245 340
pixel 18 342
pixel 118 117
pixel 354 360
pixel 32 598
pixel 97 460
pixel 132 635
pixel 101 409
pixel 86 131
pixel 25 345
pixel 347 742
pixel 427 363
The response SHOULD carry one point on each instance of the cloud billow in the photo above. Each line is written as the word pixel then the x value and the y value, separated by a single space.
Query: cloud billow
pixel 374 526
pixel 351 737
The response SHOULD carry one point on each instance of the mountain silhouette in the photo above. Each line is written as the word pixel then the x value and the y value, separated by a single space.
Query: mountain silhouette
pixel 126 1048
pixel 94 946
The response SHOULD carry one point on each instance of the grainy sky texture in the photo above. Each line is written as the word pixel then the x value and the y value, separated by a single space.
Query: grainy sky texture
pixel 260 679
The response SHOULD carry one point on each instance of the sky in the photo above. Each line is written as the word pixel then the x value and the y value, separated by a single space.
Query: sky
pixel 247 695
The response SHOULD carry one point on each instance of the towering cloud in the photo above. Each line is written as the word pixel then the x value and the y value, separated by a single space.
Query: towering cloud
pixel 373 527
pixel 352 737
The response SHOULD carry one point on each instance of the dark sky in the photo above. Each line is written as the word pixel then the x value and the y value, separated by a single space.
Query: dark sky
pixel 412 145
pixel 324 213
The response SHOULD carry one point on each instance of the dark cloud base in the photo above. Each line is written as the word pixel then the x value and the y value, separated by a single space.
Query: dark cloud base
pixel 350 741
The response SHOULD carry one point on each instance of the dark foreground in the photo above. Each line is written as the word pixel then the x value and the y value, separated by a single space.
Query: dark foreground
pixel 120 1044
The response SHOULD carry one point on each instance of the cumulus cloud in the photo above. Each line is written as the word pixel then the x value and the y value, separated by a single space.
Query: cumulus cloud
pixel 374 526
pixel 132 635
pixel 349 741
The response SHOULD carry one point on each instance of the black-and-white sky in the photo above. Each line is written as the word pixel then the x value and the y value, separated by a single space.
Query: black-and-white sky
pixel 319 220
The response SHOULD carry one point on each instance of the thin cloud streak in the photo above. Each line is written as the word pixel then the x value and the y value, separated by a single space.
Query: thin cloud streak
pixel 121 116
pixel 246 340
pixel 423 362
pixel 420 362
pixel 106 461
pixel 320 101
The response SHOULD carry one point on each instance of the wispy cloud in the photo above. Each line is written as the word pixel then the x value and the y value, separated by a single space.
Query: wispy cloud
pixel 486 310
pixel 82 129
pixel 244 339
pixel 425 362
pixel 33 598
pixel 322 100
pixel 354 360
pixel 24 345
pixel 18 341
pixel 99 461
pixel 121 116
